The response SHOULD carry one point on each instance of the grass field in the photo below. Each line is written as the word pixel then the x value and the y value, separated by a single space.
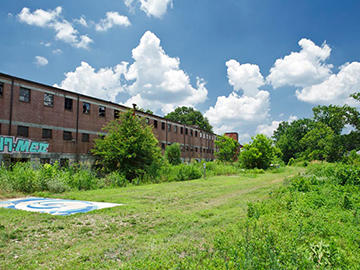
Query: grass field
pixel 159 225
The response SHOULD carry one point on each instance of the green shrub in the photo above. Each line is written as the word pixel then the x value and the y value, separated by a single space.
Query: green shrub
pixel 173 154
pixel 115 179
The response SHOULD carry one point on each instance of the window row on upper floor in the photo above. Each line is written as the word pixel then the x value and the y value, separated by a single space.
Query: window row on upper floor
pixel 174 128
pixel 25 96
pixel 23 131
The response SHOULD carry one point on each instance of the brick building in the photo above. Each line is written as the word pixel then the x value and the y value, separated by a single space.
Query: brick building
pixel 69 122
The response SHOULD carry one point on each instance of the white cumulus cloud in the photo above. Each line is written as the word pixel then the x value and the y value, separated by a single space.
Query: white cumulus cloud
pixel 52 19
pixel 241 112
pixel 158 81
pixel 112 19
pixel 155 8
pixel 154 80
pixel 303 68
pixel 336 89
pixel 41 61
pixel 104 83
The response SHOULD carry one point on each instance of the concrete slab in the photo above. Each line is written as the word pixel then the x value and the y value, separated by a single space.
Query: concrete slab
pixel 54 206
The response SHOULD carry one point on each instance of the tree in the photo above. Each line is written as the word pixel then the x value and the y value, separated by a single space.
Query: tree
pixel 189 116
pixel 173 154
pixel 260 153
pixel 129 147
pixel 227 148
pixel 288 135
pixel 321 143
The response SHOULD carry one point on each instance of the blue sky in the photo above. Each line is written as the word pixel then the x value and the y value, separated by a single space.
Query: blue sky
pixel 247 65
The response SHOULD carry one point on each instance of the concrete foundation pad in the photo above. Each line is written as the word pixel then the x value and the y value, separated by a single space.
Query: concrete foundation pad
pixel 60 207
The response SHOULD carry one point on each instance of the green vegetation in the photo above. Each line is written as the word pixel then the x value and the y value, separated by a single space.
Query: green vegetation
pixel 173 154
pixel 160 226
pixel 227 149
pixel 260 153
pixel 321 137
pixel 310 223
pixel 189 116
pixel 129 148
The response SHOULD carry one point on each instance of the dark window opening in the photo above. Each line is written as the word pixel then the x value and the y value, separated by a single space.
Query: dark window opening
pixel 155 123
pixel 169 127
pixel 147 120
pixel 86 107
pixel 85 137
pixel 46 133
pixel 162 125
pixel 1 89
pixel 24 95
pixel 163 145
pixel 195 149
pixel 181 130
pixel 67 136
pixel 195 133
pixel 191 132
pixel 48 100
pixel 186 131
pixel 23 131
pixel 102 111
pixel 116 114
pixel 68 104
pixel 175 129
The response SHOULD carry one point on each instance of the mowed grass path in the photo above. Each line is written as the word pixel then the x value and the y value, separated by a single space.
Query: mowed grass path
pixel 158 223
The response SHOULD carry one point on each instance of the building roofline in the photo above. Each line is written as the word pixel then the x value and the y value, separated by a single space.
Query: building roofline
pixel 98 99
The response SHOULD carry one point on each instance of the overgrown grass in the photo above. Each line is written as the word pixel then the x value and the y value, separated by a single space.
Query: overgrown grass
pixel 30 178
pixel 160 226
pixel 311 223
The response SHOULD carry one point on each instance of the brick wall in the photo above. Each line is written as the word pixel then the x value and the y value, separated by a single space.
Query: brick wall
pixel 36 115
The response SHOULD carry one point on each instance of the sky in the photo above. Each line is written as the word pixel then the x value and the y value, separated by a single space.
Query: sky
pixel 246 65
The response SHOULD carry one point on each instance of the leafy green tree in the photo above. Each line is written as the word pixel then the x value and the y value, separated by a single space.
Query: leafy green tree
pixel 173 154
pixel 260 153
pixel 320 143
pixel 189 116
pixel 129 147
pixel 288 135
pixel 227 148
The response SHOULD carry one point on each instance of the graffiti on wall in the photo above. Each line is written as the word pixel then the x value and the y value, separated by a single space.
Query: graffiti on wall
pixel 9 144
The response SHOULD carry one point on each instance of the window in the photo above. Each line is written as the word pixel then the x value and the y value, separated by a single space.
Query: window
pixel 48 100
pixel 1 89
pixel 181 130
pixel 68 104
pixel 86 107
pixel 116 114
pixel 195 149
pixel 67 136
pixel 102 111
pixel 175 129
pixel 23 131
pixel 162 125
pixel 191 132
pixel 147 120
pixel 195 133
pixel 155 123
pixel 85 137
pixel 186 131
pixel 24 95
pixel 46 133
pixel 169 127
pixel 163 145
